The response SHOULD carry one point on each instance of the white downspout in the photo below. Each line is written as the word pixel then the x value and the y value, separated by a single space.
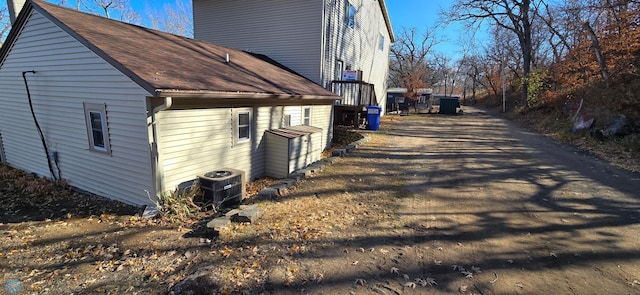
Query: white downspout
pixel 168 103
pixel 156 167
pixel 323 46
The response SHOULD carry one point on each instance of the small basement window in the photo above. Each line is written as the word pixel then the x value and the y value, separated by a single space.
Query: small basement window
pixel 97 130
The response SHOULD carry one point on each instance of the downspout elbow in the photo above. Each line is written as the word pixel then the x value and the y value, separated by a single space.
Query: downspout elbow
pixel 168 103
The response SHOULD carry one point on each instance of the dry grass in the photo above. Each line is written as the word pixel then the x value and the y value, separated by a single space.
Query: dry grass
pixel 300 226
pixel 92 248
pixel 555 118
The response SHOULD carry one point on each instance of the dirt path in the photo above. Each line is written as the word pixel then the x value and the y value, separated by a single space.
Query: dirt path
pixel 430 205
pixel 486 209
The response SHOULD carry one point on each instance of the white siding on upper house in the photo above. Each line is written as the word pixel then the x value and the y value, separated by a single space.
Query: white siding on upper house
pixel 307 36
pixel 358 47
pixel 289 32
pixel 68 75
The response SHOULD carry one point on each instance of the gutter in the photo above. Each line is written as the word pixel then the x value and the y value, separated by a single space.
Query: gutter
pixel 238 95
pixel 387 20
pixel 168 102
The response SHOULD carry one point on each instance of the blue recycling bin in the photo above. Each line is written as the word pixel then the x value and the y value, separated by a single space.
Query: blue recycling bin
pixel 373 117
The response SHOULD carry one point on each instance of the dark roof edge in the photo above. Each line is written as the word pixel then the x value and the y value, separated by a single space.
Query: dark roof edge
pixel 16 28
pixel 24 15
pixel 237 95
pixel 387 19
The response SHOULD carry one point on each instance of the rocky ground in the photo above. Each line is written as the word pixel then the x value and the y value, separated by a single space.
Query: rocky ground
pixel 432 204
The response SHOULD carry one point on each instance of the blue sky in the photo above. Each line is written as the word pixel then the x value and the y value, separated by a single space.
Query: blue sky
pixel 423 14
pixel 403 13
pixel 420 14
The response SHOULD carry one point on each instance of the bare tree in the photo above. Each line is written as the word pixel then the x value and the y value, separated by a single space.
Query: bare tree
pixel 513 15
pixel 471 67
pixel 442 71
pixel 5 24
pixel 408 64
pixel 173 18
pixel 114 9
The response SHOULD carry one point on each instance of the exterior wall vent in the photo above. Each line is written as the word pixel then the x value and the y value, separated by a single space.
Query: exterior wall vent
pixel 223 187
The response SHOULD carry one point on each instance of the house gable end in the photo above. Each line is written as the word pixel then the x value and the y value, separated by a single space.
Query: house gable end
pixel 67 75
pixel 135 78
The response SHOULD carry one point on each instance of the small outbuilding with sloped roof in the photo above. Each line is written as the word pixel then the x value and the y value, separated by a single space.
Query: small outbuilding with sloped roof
pixel 125 112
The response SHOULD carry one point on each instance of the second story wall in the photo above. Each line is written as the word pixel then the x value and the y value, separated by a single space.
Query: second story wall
pixel 289 32
pixel 357 38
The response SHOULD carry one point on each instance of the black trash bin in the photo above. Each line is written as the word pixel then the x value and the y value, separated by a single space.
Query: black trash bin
pixel 449 105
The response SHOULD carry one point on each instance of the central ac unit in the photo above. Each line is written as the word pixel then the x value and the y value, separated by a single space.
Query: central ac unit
pixel 223 187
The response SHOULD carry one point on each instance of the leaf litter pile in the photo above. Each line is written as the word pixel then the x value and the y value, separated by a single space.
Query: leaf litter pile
pixel 58 241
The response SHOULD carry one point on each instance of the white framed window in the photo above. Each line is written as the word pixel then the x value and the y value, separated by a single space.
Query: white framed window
pixel 381 43
pixel 337 75
pixel 350 15
pixel 242 125
pixel 286 120
pixel 306 116
pixel 97 129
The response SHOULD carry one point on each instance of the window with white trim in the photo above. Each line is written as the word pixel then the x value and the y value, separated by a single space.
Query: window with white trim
pixel 286 120
pixel 242 124
pixel 381 44
pixel 306 116
pixel 97 129
pixel 337 75
pixel 350 14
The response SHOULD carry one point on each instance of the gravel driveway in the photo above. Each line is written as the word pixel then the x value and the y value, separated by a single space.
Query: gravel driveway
pixel 487 208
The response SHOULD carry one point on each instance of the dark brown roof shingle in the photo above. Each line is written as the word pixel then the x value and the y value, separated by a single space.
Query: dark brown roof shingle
pixel 160 61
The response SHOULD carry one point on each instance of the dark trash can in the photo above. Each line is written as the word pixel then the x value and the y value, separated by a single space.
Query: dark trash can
pixel 448 105
pixel 373 117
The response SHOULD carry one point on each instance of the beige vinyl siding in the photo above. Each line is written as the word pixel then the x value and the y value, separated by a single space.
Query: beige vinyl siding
pixel 194 142
pixel 322 117
pixel 289 32
pixel 68 74
pixel 296 114
pixel 357 47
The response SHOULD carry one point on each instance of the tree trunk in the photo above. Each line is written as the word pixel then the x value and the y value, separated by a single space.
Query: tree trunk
pixel 595 44
pixel 526 46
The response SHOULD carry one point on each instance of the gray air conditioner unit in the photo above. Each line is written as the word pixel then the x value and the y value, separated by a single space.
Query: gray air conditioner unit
pixel 223 187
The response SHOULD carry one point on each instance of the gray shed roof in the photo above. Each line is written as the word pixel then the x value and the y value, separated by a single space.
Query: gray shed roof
pixel 295 131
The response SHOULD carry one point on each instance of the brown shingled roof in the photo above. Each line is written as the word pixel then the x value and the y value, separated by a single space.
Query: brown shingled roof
pixel 160 61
